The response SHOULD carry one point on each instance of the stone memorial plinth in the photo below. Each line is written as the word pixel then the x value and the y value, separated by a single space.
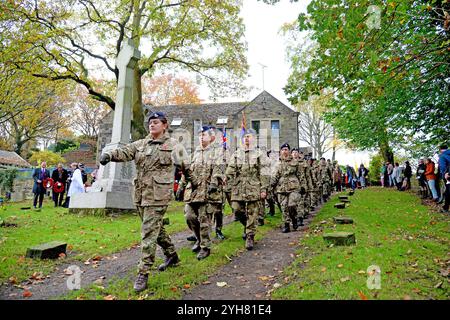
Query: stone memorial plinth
pixel 49 250
pixel 340 238
pixel 343 220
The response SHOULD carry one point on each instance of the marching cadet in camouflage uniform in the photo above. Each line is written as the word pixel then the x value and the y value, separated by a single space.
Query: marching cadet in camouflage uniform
pixel 262 211
pixel 154 156
pixel 247 175
pixel 217 198
pixel 271 196
pixel 200 191
pixel 308 183
pixel 325 178
pixel 290 184
pixel 316 194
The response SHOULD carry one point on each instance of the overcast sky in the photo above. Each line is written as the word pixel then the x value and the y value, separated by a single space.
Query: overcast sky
pixel 267 46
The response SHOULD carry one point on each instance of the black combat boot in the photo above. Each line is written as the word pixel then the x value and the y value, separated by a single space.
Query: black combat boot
pixel 249 243
pixel 260 221
pixel 286 228
pixel 191 238
pixel 219 235
pixel 171 261
pixel 196 247
pixel 300 222
pixel 203 253
pixel 294 224
pixel 141 282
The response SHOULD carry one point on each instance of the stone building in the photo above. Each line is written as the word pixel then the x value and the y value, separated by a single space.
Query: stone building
pixel 12 159
pixel 274 122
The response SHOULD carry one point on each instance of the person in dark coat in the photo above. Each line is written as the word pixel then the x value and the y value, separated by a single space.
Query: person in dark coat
pixel 39 175
pixel 408 174
pixel 59 175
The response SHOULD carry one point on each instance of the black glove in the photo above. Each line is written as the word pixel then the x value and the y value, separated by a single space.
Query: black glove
pixel 104 159
pixel 212 188
pixel 302 191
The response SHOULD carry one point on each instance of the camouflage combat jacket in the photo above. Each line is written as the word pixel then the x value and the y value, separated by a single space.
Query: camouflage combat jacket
pixel 205 171
pixel 289 177
pixel 154 158
pixel 308 175
pixel 325 175
pixel 247 175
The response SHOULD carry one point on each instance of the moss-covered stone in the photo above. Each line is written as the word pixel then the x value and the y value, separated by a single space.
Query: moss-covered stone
pixel 343 220
pixel 340 238
pixel 340 205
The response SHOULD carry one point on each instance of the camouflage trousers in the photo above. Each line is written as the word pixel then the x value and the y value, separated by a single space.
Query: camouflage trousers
pixel 198 217
pixel 216 212
pixel 292 206
pixel 153 233
pixel 247 212
pixel 262 211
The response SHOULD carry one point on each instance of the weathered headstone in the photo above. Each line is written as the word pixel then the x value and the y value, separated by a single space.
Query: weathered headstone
pixel 343 197
pixel 112 192
pixel 340 238
pixel 343 220
pixel 49 250
pixel 340 205
pixel 345 201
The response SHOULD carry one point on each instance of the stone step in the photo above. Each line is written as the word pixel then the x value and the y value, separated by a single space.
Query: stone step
pixel 345 201
pixel 49 250
pixel 343 197
pixel 343 220
pixel 340 238
pixel 340 205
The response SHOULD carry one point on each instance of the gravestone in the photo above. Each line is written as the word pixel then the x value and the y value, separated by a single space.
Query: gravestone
pixel 345 201
pixel 343 197
pixel 340 238
pixel 340 205
pixel 343 220
pixel 49 250
pixel 112 192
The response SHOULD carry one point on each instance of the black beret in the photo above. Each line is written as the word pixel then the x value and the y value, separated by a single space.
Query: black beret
pixel 285 145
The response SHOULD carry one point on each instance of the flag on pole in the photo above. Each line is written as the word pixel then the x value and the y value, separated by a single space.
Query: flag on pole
pixel 224 138
pixel 243 128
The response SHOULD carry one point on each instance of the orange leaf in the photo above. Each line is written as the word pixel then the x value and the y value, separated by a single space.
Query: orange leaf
pixel 187 286
pixel 27 294
pixel 109 297
pixel 362 295
pixel 174 289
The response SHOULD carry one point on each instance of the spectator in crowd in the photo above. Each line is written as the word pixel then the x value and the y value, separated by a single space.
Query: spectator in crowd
pixel 337 177
pixel 59 176
pixel 39 190
pixel 383 175
pixel 420 176
pixel 397 176
pixel 351 176
pixel 407 174
pixel 444 164
pixel 94 174
pixel 430 176
pixel 363 173
pixel 390 171
pixel 84 175
pixel 447 190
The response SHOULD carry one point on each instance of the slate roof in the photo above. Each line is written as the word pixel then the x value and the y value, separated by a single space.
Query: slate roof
pixel 13 159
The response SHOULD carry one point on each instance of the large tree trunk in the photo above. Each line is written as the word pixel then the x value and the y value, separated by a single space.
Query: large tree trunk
pixel 386 151
pixel 137 124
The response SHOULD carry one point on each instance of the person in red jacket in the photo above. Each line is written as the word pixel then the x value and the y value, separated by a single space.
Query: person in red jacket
pixel 430 176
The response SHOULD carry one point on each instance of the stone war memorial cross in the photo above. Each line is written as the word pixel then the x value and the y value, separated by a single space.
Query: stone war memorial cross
pixel 112 193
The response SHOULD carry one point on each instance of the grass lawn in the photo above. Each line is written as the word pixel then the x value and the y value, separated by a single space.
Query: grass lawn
pixel 394 231
pixel 86 236
pixel 174 281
